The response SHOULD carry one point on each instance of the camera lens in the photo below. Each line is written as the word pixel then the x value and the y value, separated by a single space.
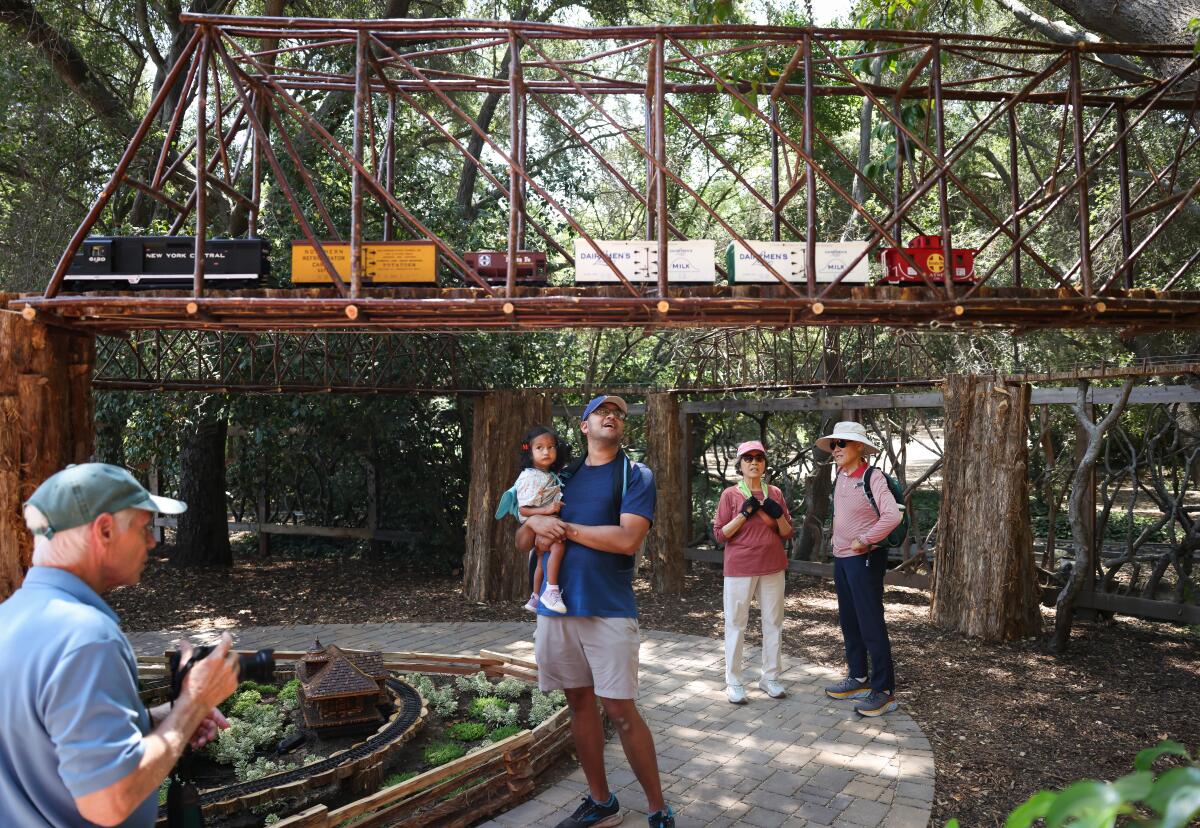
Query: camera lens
pixel 258 667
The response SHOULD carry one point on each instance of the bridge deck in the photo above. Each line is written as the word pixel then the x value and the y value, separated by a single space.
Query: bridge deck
pixel 442 309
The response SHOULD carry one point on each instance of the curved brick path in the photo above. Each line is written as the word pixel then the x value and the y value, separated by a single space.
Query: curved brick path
pixel 800 761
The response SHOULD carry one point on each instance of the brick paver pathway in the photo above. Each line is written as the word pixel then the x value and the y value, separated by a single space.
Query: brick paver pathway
pixel 800 761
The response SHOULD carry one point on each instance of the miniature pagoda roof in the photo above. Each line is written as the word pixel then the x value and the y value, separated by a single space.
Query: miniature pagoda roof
pixel 333 673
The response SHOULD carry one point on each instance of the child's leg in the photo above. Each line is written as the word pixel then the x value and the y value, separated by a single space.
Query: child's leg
pixel 557 550
pixel 537 572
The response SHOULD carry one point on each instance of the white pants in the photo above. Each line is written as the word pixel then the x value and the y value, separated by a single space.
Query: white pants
pixel 738 592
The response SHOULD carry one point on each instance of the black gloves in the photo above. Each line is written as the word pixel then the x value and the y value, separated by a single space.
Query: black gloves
pixel 772 508
pixel 750 506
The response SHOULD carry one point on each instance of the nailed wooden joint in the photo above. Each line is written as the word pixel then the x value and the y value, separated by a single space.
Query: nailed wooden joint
pixel 818 308
pixel 352 312
pixel 192 308
pixel 28 313
pixel 663 306
pixel 508 307
pixel 1101 307
pixel 959 310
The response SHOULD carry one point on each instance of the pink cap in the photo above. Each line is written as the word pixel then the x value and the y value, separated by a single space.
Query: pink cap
pixel 749 446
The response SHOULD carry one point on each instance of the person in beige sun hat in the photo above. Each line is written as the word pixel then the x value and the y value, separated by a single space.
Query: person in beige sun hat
pixel 862 519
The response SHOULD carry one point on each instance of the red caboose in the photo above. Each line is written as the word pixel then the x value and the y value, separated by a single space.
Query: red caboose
pixel 926 254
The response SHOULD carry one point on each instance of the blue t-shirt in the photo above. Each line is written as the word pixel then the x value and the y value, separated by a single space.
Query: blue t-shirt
pixel 71 722
pixel 596 583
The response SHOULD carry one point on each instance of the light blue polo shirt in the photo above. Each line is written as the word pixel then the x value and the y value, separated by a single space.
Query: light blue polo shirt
pixel 71 722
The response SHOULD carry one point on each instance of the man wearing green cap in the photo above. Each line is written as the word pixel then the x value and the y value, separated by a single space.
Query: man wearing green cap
pixel 78 746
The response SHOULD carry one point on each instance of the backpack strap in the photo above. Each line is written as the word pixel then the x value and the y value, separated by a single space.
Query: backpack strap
pixel 620 484
pixel 867 490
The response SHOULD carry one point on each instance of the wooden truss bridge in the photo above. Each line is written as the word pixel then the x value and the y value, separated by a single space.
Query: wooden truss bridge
pixel 1103 233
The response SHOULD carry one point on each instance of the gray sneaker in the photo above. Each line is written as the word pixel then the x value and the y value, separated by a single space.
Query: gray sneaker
pixel 848 688
pixel 876 704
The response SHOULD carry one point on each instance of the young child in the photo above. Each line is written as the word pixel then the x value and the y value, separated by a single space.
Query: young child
pixel 539 492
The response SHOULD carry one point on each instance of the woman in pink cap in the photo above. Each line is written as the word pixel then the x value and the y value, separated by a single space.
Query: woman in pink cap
pixel 753 522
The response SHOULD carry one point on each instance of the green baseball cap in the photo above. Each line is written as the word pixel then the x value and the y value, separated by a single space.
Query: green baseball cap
pixel 77 495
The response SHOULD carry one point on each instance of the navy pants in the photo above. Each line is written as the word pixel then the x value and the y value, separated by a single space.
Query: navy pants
pixel 859 583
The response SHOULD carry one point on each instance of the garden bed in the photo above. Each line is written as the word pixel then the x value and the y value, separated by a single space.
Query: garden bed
pixel 458 743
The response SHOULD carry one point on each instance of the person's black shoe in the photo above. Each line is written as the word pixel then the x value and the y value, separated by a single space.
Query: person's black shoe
pixel 662 819
pixel 593 814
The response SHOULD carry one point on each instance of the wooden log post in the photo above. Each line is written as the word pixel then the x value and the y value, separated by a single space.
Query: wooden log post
pixel 985 582
pixel 665 455
pixel 45 423
pixel 493 568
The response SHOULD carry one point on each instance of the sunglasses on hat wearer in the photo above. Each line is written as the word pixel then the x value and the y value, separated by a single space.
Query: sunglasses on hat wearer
pixel 839 443
pixel 755 458
pixel 610 411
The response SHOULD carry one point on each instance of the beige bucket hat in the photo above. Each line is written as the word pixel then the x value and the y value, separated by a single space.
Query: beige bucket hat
pixel 848 431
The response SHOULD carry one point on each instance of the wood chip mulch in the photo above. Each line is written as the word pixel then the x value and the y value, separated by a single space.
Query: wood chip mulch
pixel 1004 719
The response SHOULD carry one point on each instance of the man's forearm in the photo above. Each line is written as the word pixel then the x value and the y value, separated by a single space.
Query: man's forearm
pixel 620 540
pixel 161 749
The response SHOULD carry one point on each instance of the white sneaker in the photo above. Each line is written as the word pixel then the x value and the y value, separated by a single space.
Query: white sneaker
pixel 552 600
pixel 772 688
pixel 532 603
pixel 736 693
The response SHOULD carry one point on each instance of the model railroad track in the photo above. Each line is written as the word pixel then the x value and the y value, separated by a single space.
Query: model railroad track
pixel 409 702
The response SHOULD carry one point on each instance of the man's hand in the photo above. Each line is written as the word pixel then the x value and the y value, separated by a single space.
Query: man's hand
pixel 207 731
pixel 213 679
pixel 547 527
pixel 772 508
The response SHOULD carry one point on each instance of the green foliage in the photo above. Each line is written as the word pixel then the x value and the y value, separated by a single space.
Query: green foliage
pixel 442 701
pixel 260 767
pixel 397 778
pixel 271 819
pixel 442 752
pixel 252 728
pixel 477 683
pixel 244 702
pixel 289 694
pixel 263 689
pixel 467 731
pixel 511 689
pixel 502 733
pixel 543 706
pixel 1173 797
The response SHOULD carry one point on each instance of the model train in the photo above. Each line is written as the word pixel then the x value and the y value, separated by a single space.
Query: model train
pixel 106 262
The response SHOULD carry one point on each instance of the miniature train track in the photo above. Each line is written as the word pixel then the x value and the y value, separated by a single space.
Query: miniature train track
pixel 409 702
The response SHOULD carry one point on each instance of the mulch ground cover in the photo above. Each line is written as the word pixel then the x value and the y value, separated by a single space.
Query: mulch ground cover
pixel 1004 719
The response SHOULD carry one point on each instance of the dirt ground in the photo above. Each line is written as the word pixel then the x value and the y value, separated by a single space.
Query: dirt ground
pixel 1004 719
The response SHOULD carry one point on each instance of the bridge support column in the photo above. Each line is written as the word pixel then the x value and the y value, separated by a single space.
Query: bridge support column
pixel 493 568
pixel 666 455
pixel 985 582
pixel 45 423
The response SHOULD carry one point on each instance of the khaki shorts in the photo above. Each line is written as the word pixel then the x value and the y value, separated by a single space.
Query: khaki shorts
pixel 576 651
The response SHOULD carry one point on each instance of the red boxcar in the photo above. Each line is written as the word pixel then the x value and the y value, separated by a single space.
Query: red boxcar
pixel 493 266
pixel 926 254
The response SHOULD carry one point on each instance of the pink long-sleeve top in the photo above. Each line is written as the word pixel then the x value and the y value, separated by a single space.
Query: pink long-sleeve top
pixel 853 516
pixel 756 548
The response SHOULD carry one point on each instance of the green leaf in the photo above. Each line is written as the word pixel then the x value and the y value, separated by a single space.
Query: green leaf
pixel 952 824
pixel 1145 759
pixel 1181 808
pixel 1169 784
pixel 1083 799
pixel 1034 808
pixel 1135 786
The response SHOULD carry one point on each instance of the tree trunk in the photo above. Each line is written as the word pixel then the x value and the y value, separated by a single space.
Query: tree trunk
pixel 818 498
pixel 493 568
pixel 1083 518
pixel 985 581
pixel 202 537
pixel 665 456
pixel 45 423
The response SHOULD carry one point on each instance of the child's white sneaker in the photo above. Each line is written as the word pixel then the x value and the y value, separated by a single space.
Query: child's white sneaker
pixel 532 603
pixel 552 600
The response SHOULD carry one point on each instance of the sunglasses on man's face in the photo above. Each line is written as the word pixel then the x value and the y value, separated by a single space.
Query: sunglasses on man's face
pixel 610 412
pixel 755 458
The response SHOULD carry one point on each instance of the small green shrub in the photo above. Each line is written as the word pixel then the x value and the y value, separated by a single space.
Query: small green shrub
pixel 502 733
pixel 479 705
pixel 397 778
pixel 467 731
pixel 271 819
pixel 478 683
pixel 442 701
pixel 260 767
pixel 290 692
pixel 244 701
pixel 443 752
pixel 264 689
pixel 544 705
pixel 501 714
pixel 511 689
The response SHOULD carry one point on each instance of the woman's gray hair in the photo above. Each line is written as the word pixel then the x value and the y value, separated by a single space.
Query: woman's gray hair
pixel 69 547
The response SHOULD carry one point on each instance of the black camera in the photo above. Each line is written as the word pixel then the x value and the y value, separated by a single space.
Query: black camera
pixel 259 666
